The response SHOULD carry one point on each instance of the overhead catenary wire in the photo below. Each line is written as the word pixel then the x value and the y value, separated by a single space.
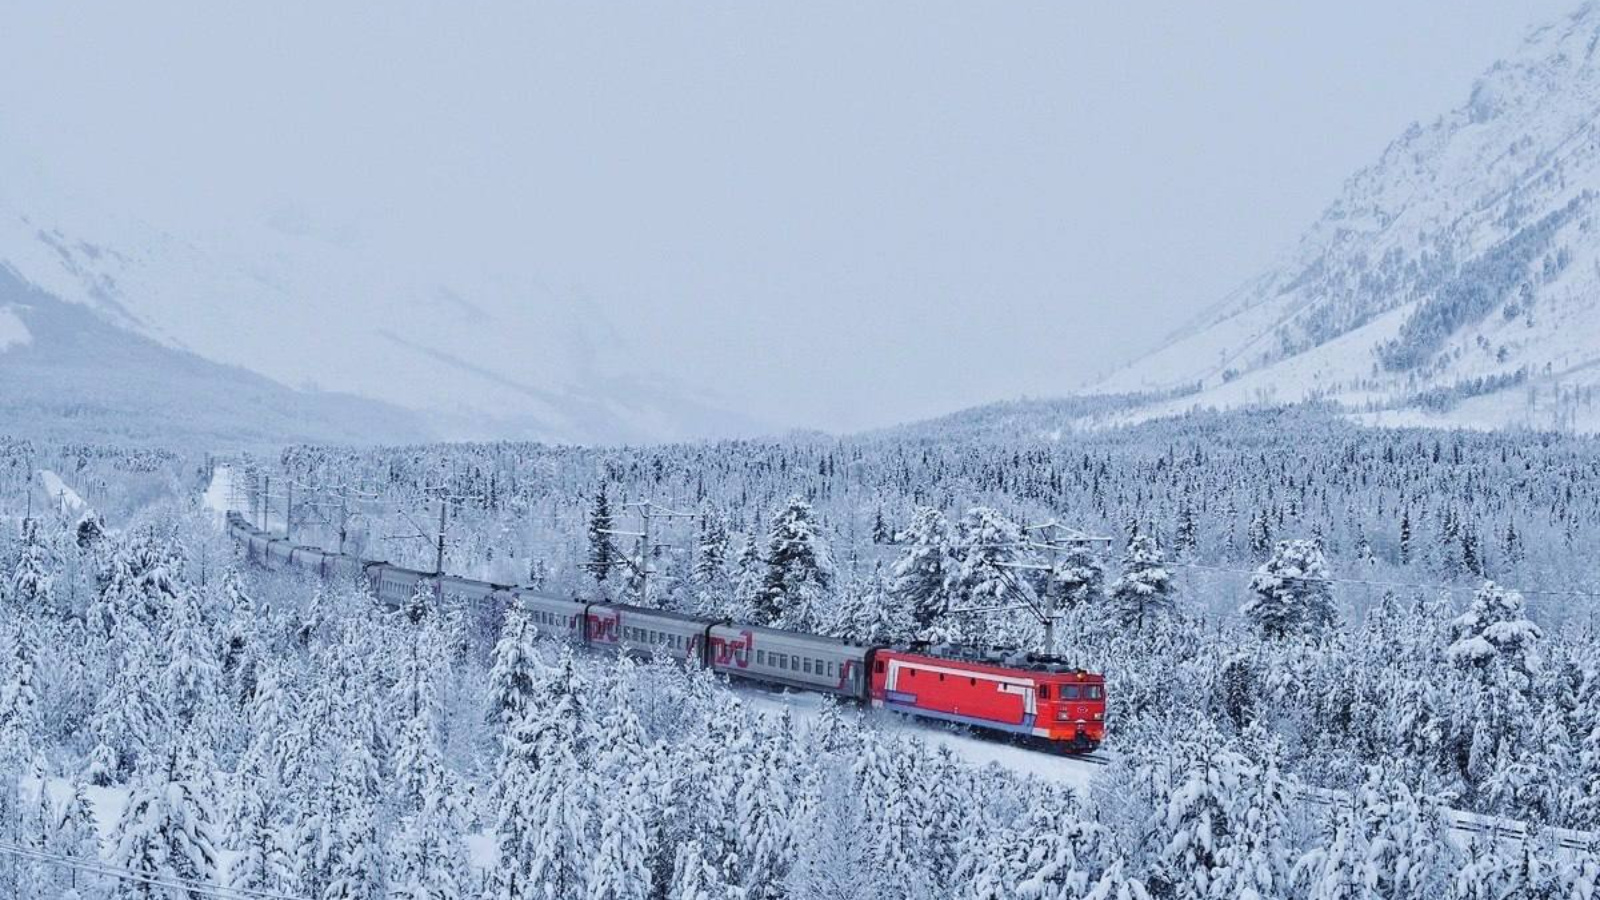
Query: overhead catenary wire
pixel 1396 585
pixel 98 867
pixel 1067 537
pixel 1435 587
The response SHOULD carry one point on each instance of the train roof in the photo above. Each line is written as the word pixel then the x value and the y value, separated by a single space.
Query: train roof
pixel 658 613
pixel 990 656
pixel 801 635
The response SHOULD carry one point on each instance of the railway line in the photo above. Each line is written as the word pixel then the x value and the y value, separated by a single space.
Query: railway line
pixel 733 651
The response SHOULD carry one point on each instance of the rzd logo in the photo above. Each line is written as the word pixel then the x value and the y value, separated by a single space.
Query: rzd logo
pixel 735 652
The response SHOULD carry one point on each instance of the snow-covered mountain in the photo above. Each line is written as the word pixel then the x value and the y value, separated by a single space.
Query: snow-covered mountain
pixel 67 374
pixel 477 355
pixel 1454 280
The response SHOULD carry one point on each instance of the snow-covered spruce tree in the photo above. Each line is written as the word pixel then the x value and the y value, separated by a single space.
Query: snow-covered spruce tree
pixel 75 835
pixel 417 707
pixel 131 719
pixel 602 551
pixel 624 771
pixel 430 861
pixel 986 547
pixel 1258 537
pixel 542 821
pixel 165 831
pixel 1290 594
pixel 1255 861
pixel 1586 803
pixel 1495 631
pixel 1144 589
pixel 1079 578
pixel 866 611
pixel 356 866
pixel 513 669
pixel 33 578
pixel 710 758
pixel 949 803
pixel 1216 820
pixel 749 577
pixel 1334 869
pixel 20 714
pixel 261 863
pixel 709 575
pixel 764 800
pixel 271 719
pixel 1409 855
pixel 136 589
pixel 799 570
pixel 1496 647
pixel 697 878
pixel 192 678
pixel 831 838
pixel 919 581
pixel 1489 870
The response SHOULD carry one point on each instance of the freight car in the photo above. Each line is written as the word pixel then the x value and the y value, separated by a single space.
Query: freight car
pixel 1041 699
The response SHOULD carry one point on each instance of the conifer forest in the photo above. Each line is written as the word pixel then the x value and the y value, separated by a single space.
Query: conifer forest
pixel 1339 662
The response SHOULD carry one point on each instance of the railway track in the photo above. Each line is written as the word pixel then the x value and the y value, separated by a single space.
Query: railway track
pixel 1461 822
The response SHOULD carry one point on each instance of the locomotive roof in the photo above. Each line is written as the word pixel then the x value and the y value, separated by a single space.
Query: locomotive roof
pixel 991 656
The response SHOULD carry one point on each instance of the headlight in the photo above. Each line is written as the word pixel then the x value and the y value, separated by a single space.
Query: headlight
pixel 1100 717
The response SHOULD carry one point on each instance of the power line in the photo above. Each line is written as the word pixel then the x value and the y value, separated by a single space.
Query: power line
pixel 101 868
pixel 1327 579
pixel 1400 585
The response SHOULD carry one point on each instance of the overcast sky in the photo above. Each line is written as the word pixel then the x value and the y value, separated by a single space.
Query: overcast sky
pixel 841 214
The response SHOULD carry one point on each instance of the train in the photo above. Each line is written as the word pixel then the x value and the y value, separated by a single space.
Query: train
pixel 1039 699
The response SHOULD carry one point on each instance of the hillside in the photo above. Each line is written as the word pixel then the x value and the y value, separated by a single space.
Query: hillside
pixel 1456 280
pixel 473 354
pixel 66 374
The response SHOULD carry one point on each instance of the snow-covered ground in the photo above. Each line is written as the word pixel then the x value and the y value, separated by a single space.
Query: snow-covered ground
pixel 219 496
pixel 66 499
pixel 969 746
pixel 12 332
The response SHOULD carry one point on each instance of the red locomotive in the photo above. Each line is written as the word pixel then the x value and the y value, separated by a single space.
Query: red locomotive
pixel 1033 696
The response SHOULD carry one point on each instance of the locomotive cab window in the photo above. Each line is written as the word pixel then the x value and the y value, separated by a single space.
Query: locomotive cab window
pixel 1069 692
pixel 1093 692
pixel 1044 692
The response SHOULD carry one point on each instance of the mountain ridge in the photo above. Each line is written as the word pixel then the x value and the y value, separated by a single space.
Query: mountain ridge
pixel 1387 302
pixel 480 354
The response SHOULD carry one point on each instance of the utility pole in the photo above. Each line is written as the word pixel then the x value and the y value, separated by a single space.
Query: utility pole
pixel 344 520
pixel 266 497
pixel 648 510
pixel 438 558
pixel 644 556
pixel 288 513
pixel 1055 537
pixel 1050 606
